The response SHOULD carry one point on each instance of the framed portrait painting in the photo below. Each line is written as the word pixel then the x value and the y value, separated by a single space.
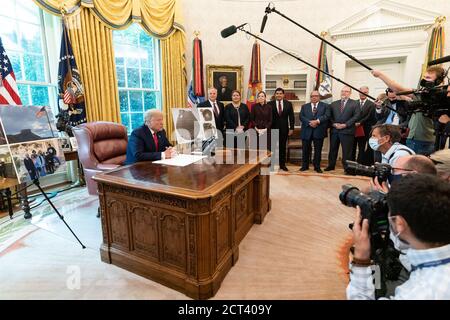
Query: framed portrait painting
pixel 225 79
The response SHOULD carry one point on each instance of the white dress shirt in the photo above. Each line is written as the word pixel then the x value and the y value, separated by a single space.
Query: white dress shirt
pixel 425 283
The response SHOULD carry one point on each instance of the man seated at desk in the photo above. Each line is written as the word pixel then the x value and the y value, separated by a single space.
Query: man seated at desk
pixel 149 141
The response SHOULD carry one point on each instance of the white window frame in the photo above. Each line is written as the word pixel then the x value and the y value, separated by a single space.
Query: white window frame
pixel 157 82
pixel 50 27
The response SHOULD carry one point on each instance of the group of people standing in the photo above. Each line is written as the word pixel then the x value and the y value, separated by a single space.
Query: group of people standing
pixel 39 164
pixel 235 119
pixel 368 131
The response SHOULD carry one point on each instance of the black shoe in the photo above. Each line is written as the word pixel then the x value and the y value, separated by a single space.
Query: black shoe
pixel 328 169
pixel 284 168
pixel 304 169
pixel 318 170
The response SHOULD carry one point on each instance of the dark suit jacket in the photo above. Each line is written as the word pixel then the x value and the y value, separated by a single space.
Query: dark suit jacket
pixel 220 120
pixel 401 111
pixel 349 116
pixel 231 116
pixel 141 146
pixel 286 121
pixel 225 96
pixel 29 165
pixel 367 116
pixel 306 115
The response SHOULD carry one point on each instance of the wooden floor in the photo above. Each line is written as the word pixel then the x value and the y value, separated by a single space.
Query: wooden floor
pixel 299 252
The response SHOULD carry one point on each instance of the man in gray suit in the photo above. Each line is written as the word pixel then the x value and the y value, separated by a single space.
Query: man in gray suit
pixel 344 114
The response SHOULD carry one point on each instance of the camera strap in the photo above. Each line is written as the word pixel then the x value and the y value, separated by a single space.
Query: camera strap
pixel 400 149
pixel 430 264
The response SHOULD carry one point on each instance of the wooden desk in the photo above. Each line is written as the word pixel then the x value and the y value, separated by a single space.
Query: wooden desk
pixel 181 226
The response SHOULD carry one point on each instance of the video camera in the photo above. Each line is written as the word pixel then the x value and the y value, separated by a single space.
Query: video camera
pixel 380 170
pixel 431 98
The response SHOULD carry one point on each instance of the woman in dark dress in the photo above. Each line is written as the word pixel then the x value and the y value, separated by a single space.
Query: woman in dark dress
pixel 262 117
pixel 237 118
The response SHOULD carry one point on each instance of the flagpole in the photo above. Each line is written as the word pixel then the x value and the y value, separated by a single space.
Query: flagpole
pixel 63 11
pixel 49 123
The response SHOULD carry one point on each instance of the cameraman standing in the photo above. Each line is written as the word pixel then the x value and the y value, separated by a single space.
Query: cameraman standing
pixel 421 135
pixel 424 226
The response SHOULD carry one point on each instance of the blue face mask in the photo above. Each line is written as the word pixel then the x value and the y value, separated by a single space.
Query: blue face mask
pixel 373 143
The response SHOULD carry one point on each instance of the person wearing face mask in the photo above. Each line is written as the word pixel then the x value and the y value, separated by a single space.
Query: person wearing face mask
pixel 385 139
pixel 388 116
pixel 421 137
pixel 422 227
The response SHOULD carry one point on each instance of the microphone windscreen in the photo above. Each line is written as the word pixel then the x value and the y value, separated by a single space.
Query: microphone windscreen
pixel 228 31
pixel 263 24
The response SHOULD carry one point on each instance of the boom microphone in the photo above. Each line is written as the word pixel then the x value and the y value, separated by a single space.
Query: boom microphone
pixel 230 30
pixel 439 61
pixel 263 24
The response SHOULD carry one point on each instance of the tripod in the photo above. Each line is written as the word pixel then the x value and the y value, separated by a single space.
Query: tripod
pixel 38 185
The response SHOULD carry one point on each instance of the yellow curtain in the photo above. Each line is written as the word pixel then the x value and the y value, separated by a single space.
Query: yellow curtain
pixel 436 44
pixel 160 18
pixel 174 77
pixel 90 23
pixel 92 46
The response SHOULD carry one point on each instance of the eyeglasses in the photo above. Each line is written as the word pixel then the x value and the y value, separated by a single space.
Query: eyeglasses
pixel 393 169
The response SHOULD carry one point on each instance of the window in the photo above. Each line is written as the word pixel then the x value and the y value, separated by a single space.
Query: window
pixel 138 74
pixel 28 35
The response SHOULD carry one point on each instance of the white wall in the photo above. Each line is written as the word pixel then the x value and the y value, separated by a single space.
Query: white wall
pixel 211 16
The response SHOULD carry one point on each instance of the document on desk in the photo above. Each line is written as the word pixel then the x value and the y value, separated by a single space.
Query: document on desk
pixel 181 160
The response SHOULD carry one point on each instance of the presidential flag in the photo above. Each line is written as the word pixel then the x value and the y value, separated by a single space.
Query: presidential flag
pixel 70 87
pixel 9 93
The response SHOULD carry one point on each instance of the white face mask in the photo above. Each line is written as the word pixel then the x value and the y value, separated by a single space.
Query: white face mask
pixel 399 244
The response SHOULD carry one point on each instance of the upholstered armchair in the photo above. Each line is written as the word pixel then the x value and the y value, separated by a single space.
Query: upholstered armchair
pixel 102 146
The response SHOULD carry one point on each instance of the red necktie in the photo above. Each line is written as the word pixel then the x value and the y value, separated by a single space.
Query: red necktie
pixel 279 108
pixel 155 138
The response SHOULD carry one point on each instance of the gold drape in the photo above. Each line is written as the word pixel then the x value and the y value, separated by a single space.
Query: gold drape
pixel 174 77
pixel 92 47
pixel 160 18
pixel 90 23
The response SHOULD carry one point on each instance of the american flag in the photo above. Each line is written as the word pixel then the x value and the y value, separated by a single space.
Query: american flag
pixel 69 96
pixel 9 94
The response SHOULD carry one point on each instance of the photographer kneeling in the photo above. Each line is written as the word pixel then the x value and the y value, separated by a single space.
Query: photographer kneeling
pixel 424 226
pixel 386 139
